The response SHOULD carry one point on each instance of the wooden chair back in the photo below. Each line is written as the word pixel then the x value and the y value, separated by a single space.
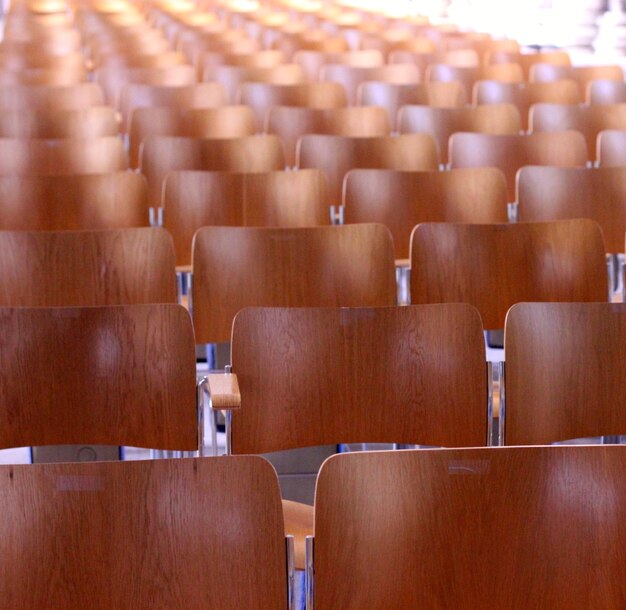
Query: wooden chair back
pixel 144 60
pixel 237 267
pixel 86 268
pixel 336 155
pixel 161 155
pixel 266 58
pixel 428 387
pixel 37 59
pixel 557 193
pixel 441 123
pixel 401 200
pixel 527 60
pixel 564 371
pixel 122 542
pixel 606 92
pixel 312 61
pixel 50 77
pixel 48 98
pixel 494 266
pixel 399 529
pixel 465 75
pixel 511 152
pixel 583 75
pixel 506 73
pixel 611 148
pixel 194 199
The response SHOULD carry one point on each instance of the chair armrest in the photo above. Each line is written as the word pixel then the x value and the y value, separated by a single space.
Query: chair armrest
pixel 223 391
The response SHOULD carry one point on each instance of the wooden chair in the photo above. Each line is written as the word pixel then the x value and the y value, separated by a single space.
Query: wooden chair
pixel 494 266
pixel 50 77
pixel 193 199
pixel 236 267
pixel 611 151
pixel 125 542
pixel 161 155
pixel 62 157
pixel 267 58
pixel 606 92
pixel 263 96
pixel 419 57
pixel 143 60
pixel 441 123
pixel 467 76
pixel 564 371
pixel 220 122
pixel 556 193
pixel 510 153
pixel 86 268
pixel 527 60
pixel 24 61
pixel 51 98
pixel 336 155
pixel 290 123
pixel 312 61
pixel 401 200
pixel 583 75
pixel 524 95
pixel 74 202
pixel 397 529
pixel 506 73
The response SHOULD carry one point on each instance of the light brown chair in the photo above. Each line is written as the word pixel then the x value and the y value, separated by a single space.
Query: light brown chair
pixel 267 58
pixel 510 153
pixel 312 61
pixel 290 123
pixel 161 155
pixel 52 41
pixel 37 59
pixel 51 77
pixel 583 75
pixel 555 193
pixel 336 155
pixel 441 123
pixel 263 96
pixel 606 92
pixel 51 98
pixel 86 268
pixel 524 95
pixel 419 529
pixel 236 267
pixel 143 60
pixel 467 76
pixel 506 73
pixel 74 202
pixel 401 200
pixel 564 371
pixel 611 151
pixel 220 122
pixel 527 60
pixel 419 57
pixel 127 538
pixel 193 199
pixel 494 266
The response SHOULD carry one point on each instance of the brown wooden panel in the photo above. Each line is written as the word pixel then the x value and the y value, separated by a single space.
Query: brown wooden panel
pixel 175 534
pixel 327 376
pixel 612 148
pixel 401 200
pixel 98 375
pixel 234 267
pixel 565 371
pixel 51 98
pixel 72 268
pixel 495 266
pixel 535 527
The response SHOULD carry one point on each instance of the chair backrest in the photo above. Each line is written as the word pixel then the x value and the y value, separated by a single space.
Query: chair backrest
pixel 120 375
pixel 611 148
pixel 606 92
pixel 312 61
pixel 336 155
pixel 583 75
pixel 565 374
pixel 290 123
pixel 235 267
pixel 122 540
pixel 161 155
pixel 468 528
pixel 194 199
pixel 80 268
pixel 510 153
pixel 388 374
pixel 527 60
pixel 55 77
pixel 556 193
pixel 441 123
pixel 495 266
pixel 401 200
pixel 78 202
pixel 465 75
pixel 45 97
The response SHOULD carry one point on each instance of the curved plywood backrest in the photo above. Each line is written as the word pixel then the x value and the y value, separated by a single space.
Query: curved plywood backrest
pixel 588 120
pixel 336 155
pixel 263 96
pixel 495 266
pixel 44 97
pixel 611 148
pixel 463 74
pixel 419 529
pixel 335 375
pixel 266 58
pixel 564 371
pixel 36 59
pixel 194 199
pixel 290 123
pixel 401 200
pixel 220 122
pixel 233 267
pixel 52 77
pixel 76 268
pixel 313 61
pixel 61 157
pixel 527 60
pixel 60 203
pixel 120 375
pixel 557 193
pixel 441 123
pixel 123 542
pixel 510 153
pixel 142 59
pixel 606 92
pixel 161 155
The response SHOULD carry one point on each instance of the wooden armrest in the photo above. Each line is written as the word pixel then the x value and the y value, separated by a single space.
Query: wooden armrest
pixel 224 391
pixel 298 523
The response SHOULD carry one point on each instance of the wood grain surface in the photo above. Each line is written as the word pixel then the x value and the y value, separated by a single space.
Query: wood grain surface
pixel 46 97
pixel 612 148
